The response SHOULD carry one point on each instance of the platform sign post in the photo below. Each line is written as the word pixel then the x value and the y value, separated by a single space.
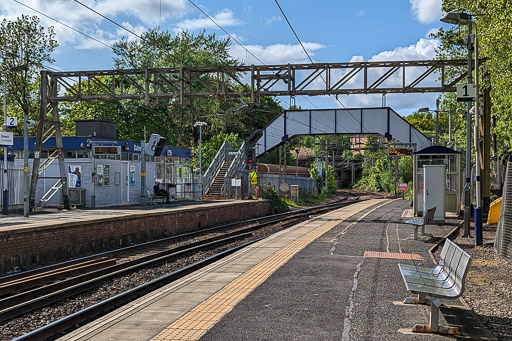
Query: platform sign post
pixel 403 188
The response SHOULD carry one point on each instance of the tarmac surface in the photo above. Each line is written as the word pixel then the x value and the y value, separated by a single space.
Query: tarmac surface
pixel 317 280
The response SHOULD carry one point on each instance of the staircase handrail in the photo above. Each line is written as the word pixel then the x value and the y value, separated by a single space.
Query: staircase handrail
pixel 215 166
pixel 233 169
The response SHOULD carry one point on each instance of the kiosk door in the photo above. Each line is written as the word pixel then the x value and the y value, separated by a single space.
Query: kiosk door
pixel 434 190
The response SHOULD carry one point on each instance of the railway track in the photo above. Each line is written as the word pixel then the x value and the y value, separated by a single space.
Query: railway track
pixel 25 302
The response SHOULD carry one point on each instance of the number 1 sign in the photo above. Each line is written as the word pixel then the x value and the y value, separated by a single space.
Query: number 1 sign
pixel 466 92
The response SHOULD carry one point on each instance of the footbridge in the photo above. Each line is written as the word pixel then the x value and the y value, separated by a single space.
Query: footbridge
pixel 359 121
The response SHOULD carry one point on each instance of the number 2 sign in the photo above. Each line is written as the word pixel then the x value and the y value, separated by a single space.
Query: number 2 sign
pixel 12 122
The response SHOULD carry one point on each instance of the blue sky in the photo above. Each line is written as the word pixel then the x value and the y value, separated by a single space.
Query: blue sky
pixel 332 31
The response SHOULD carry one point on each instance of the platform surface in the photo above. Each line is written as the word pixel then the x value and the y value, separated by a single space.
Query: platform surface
pixel 334 277
pixel 53 218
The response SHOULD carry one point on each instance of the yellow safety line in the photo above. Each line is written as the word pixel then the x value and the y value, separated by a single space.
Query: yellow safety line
pixel 196 322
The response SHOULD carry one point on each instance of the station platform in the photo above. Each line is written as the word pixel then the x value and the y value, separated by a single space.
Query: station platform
pixel 334 277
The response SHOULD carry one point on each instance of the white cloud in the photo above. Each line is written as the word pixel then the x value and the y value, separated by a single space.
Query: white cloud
pixel 424 49
pixel 275 54
pixel 140 12
pixel 432 31
pixel 224 18
pixel 273 19
pixel 426 11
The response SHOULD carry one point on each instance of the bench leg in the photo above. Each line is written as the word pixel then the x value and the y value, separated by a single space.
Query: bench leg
pixel 420 299
pixel 422 230
pixel 433 326
pixel 415 232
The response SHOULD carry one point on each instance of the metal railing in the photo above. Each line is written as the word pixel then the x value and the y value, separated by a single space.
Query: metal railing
pixel 215 166
pixel 234 169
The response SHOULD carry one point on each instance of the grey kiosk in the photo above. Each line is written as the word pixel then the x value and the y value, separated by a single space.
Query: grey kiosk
pixel 437 156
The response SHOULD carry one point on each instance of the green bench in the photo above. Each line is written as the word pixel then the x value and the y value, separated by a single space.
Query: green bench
pixel 436 279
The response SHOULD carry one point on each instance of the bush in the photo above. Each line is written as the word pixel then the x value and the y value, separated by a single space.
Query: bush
pixel 270 193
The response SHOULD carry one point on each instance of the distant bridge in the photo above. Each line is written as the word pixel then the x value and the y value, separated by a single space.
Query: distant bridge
pixel 360 121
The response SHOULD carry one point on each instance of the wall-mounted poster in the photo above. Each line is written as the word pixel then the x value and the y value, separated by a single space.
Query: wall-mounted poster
pixel 132 175
pixel 74 176
pixel 99 175
pixel 106 175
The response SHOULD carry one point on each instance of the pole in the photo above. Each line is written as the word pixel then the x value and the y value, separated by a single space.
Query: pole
pixel 437 122
pixel 143 195
pixel 467 187
pixel 326 165
pixel 450 128
pixel 93 196
pixel 200 161
pixel 478 208
pixel 5 207
pixel 26 208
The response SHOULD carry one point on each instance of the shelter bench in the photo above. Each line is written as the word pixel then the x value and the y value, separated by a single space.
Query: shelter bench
pixel 152 198
pixel 444 278
pixel 417 222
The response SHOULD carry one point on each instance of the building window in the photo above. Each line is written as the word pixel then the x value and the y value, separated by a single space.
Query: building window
pixel 82 154
pixel 71 154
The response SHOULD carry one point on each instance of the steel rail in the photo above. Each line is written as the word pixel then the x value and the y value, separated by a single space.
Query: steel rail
pixel 30 300
pixel 54 329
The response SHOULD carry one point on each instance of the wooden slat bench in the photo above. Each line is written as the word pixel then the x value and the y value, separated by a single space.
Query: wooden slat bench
pixel 444 278
pixel 417 222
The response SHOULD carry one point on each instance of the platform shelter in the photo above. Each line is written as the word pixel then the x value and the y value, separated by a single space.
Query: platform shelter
pixel 438 155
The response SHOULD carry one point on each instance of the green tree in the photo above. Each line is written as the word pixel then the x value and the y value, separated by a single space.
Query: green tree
pixel 25 43
pixel 211 147
pixel 494 39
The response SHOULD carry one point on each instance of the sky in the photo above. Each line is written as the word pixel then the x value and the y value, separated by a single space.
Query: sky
pixel 331 31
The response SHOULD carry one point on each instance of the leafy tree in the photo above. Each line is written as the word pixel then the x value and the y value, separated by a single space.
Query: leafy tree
pixel 160 49
pixel 494 39
pixel 332 183
pixel 211 147
pixel 25 43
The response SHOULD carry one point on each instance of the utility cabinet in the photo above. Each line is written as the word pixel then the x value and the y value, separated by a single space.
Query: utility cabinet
pixel 434 190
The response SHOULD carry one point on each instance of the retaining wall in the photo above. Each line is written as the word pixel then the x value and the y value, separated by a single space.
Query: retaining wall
pixel 29 247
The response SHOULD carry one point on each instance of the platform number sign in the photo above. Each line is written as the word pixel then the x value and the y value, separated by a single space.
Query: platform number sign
pixel 466 92
pixel 12 122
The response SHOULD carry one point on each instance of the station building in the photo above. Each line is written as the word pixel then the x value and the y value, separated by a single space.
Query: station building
pixel 102 169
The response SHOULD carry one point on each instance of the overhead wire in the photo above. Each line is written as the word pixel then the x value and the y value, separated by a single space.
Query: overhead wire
pixel 63 24
pixel 223 30
pixel 311 60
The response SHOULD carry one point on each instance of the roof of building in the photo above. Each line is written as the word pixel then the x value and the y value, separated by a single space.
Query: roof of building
pixel 80 142
pixel 437 150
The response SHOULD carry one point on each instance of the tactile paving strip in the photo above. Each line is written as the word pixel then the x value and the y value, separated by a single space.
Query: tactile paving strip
pixel 196 323
pixel 392 255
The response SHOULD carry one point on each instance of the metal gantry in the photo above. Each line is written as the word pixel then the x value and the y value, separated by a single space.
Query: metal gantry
pixel 184 84
pixel 180 86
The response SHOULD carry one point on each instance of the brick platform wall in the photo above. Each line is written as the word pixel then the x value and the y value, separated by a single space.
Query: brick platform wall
pixel 34 247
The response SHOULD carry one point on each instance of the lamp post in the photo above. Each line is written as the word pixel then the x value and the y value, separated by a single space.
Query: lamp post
pixel 200 125
pixel 456 18
pixel 437 111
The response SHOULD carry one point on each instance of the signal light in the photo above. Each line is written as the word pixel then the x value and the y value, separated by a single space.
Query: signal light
pixel 251 160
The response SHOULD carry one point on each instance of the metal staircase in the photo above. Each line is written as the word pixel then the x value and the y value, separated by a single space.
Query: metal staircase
pixel 215 173
pixel 49 127
pixel 215 189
